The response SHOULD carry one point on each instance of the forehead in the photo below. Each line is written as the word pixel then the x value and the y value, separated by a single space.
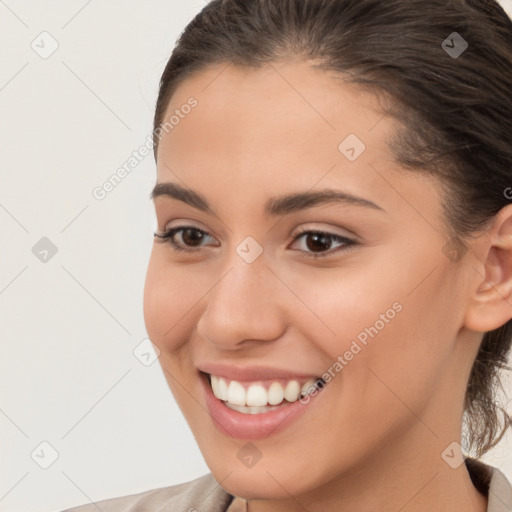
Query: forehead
pixel 290 100
pixel 283 126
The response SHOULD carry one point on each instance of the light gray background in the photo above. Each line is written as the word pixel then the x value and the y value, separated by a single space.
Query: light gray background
pixel 69 326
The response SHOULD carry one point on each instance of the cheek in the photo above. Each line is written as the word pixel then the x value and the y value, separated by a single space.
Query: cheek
pixel 343 306
pixel 383 324
pixel 168 302
pixel 168 297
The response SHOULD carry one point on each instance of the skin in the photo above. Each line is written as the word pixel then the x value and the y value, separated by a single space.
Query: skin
pixel 380 426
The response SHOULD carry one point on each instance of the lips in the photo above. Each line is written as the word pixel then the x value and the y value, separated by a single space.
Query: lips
pixel 251 385
pixel 253 373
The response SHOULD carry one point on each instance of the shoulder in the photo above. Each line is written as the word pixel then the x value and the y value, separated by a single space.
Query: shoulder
pixel 500 492
pixel 491 482
pixel 202 494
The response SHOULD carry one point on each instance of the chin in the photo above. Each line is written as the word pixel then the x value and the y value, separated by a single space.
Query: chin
pixel 253 484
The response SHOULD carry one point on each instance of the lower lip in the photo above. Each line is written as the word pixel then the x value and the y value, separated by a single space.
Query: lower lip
pixel 252 426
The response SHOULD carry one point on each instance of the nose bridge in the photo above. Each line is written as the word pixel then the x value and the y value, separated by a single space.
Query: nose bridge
pixel 242 305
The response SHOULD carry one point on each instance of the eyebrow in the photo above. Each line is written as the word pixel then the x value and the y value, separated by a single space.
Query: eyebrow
pixel 275 206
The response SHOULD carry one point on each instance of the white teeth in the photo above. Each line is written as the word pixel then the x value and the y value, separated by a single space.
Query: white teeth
pixel 214 381
pixel 256 395
pixel 236 393
pixel 219 387
pixel 307 387
pixel 223 389
pixel 251 410
pixel 292 390
pixel 275 393
pixel 256 398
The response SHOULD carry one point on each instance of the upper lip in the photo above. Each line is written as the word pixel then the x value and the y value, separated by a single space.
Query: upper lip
pixel 253 372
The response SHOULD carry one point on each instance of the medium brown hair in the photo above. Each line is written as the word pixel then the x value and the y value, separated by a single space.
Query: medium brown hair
pixel 455 110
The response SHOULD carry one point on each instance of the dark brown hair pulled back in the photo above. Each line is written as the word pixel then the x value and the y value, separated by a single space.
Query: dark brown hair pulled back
pixel 455 112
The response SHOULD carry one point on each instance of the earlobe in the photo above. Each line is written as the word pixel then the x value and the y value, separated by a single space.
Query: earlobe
pixel 490 304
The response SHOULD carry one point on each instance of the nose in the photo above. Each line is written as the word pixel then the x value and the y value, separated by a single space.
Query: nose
pixel 245 306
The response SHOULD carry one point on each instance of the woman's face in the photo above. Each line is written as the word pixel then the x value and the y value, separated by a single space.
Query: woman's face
pixel 378 313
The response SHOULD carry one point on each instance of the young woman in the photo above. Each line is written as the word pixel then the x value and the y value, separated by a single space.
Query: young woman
pixel 330 285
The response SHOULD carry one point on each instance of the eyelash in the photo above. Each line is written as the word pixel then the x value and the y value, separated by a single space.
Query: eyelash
pixel 167 237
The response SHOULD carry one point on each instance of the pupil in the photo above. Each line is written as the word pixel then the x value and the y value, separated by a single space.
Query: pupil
pixel 189 234
pixel 320 240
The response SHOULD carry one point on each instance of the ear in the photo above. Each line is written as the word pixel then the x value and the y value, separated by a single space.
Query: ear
pixel 490 303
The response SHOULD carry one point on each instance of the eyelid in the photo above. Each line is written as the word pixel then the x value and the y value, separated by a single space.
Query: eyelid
pixel 327 230
pixel 184 223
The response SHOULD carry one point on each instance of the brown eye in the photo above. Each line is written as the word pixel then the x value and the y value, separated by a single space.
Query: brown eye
pixel 191 238
pixel 317 244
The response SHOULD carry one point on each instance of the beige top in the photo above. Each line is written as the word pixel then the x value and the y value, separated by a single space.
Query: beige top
pixel 204 494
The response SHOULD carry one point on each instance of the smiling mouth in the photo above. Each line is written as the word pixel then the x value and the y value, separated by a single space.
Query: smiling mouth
pixel 257 397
